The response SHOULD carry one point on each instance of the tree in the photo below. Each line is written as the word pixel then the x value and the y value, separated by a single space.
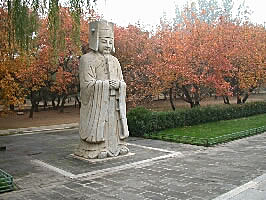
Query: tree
pixel 11 92
pixel 191 61
pixel 19 30
pixel 134 50
pixel 218 53
pixel 62 65
pixel 32 78
pixel 246 53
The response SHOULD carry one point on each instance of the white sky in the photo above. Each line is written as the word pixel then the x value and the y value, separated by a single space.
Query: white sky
pixel 148 12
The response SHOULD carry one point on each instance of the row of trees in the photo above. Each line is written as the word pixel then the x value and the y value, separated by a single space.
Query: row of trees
pixel 202 53
pixel 40 52
pixel 205 51
pixel 224 59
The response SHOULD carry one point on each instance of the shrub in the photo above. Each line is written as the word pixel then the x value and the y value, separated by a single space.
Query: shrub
pixel 137 119
pixel 142 121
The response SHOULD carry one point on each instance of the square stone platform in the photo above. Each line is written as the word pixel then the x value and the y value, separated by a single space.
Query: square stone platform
pixel 49 156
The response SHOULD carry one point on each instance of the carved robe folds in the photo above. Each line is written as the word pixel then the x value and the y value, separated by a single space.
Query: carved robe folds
pixel 103 123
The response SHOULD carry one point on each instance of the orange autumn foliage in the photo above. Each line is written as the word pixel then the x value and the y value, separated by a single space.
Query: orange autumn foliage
pixel 10 90
pixel 191 60
pixel 62 64
pixel 246 51
pixel 225 58
pixel 133 50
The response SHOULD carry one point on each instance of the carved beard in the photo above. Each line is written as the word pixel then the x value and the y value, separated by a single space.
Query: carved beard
pixel 107 51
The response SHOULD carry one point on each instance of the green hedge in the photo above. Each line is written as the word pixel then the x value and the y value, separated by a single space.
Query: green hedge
pixel 142 121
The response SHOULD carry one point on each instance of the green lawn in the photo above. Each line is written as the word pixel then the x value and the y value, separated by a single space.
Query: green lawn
pixel 211 130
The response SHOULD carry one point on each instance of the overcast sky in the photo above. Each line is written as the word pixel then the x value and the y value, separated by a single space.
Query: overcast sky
pixel 148 12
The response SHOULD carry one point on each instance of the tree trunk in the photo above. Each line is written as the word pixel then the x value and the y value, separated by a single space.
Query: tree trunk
pixel 194 104
pixel 197 97
pixel 53 103
pixel 58 103
pixel 77 99
pixel 226 100
pixel 171 98
pixel 238 93
pixel 45 104
pixel 12 107
pixel 165 95
pixel 186 97
pixel 32 100
pixel 31 111
pixel 245 98
pixel 36 106
pixel 63 104
pixel 174 94
pixel 238 99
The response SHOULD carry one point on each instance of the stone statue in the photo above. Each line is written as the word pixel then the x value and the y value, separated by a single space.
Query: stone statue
pixel 103 123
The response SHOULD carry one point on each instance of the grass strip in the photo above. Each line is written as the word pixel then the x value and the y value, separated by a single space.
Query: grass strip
pixel 214 132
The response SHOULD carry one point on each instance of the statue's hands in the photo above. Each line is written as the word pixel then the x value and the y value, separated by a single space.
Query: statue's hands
pixel 114 84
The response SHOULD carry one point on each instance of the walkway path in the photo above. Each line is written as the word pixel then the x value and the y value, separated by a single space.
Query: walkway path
pixel 44 168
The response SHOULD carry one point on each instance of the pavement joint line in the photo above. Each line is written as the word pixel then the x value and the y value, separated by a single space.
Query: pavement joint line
pixel 152 148
pixel 103 172
pixel 106 171
pixel 242 188
pixel 48 166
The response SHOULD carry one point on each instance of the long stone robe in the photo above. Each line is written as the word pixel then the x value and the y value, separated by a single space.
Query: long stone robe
pixel 103 124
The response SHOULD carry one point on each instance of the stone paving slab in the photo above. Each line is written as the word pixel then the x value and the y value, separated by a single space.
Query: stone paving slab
pixel 193 173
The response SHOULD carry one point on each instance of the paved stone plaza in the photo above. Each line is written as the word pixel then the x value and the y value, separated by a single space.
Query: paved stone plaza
pixel 44 168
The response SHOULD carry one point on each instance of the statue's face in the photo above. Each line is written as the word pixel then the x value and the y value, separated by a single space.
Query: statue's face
pixel 105 45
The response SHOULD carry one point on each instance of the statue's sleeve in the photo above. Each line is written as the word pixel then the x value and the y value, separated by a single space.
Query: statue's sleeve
pixel 119 70
pixel 122 102
pixel 122 108
pixel 94 99
pixel 87 78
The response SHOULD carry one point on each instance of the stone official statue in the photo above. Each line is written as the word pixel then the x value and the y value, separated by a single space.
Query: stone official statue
pixel 103 123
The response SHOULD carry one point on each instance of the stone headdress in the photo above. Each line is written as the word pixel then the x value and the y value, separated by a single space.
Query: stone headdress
pixel 100 29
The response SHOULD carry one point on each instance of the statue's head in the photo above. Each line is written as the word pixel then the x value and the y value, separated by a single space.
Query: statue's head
pixel 102 37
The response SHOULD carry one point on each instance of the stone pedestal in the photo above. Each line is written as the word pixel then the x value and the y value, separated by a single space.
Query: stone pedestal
pixel 99 150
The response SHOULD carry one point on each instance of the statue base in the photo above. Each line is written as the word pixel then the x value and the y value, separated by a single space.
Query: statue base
pixel 99 150
pixel 96 160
